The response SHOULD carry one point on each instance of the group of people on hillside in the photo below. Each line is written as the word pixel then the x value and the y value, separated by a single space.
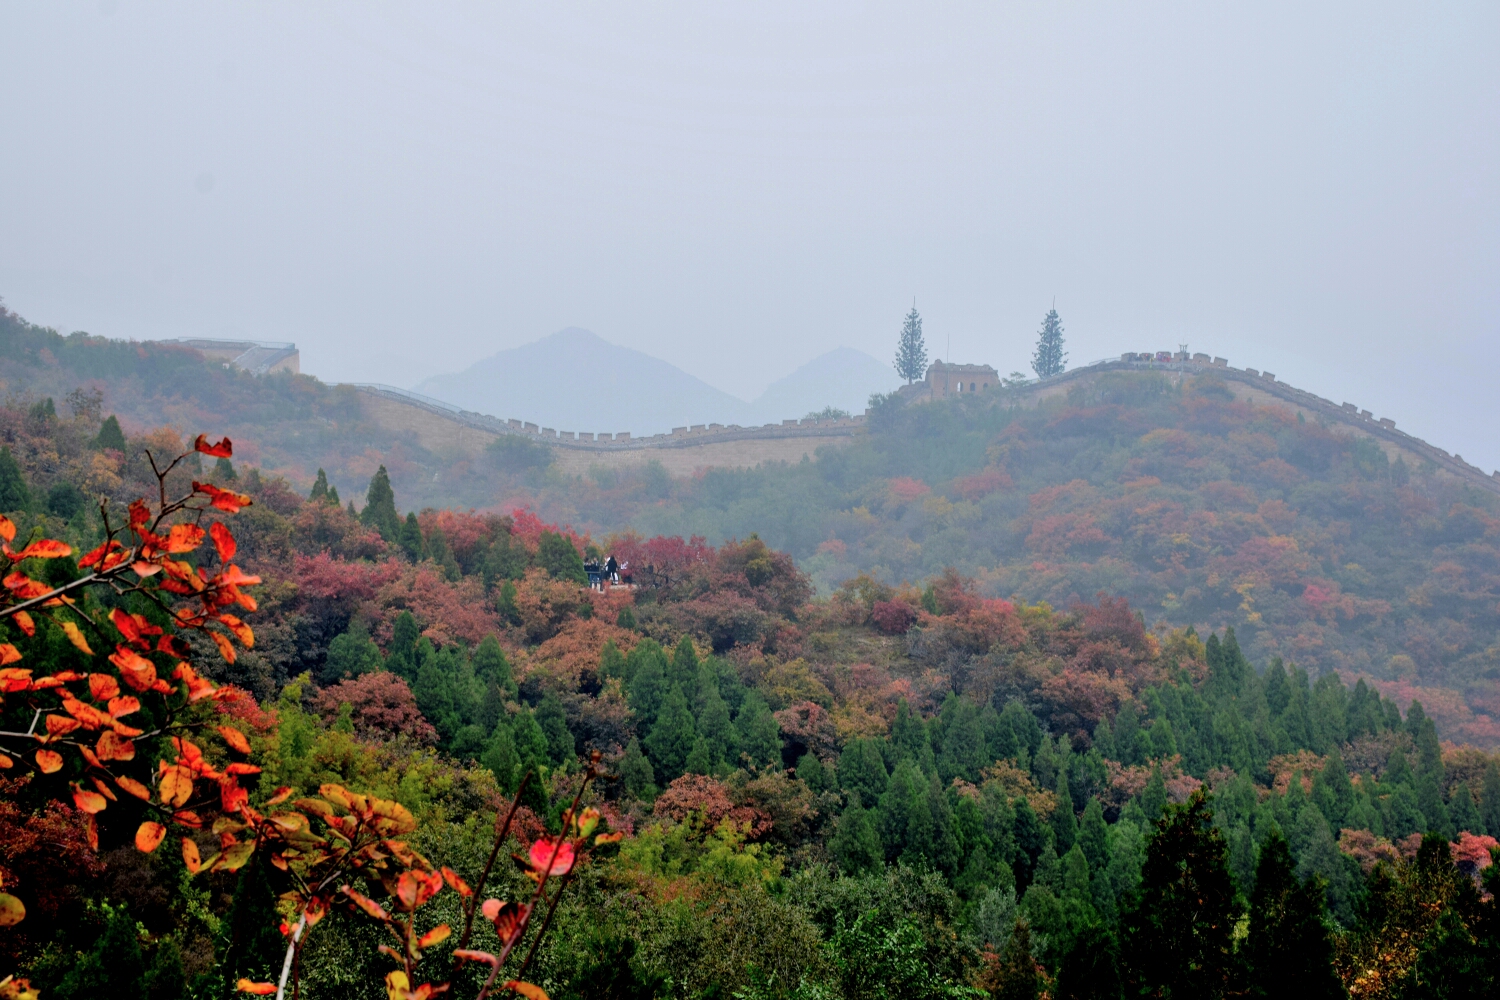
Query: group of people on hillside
pixel 608 571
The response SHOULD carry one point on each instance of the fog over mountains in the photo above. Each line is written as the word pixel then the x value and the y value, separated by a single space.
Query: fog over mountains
pixel 576 380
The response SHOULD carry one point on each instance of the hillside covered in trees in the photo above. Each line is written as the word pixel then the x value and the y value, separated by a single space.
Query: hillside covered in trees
pixel 1197 507
pixel 920 789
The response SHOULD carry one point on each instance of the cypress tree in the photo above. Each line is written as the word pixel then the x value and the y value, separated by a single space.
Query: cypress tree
pixel 550 715
pixel 1050 358
pixel 15 495
pixel 1462 811
pixel 410 538
pixel 380 507
pixel 812 773
pixel 224 473
pixel 861 771
pixel 911 349
pixel 759 735
pixel 647 691
pixel 501 758
pixel 110 437
pixel 1064 823
pixel 492 667
pixel 1179 937
pixel 684 670
pixel 905 823
pixel 1489 799
pixel 714 723
pixel 1018 977
pixel 319 493
pixel 560 559
pixel 114 966
pixel 636 774
pixel 699 759
pixel 1031 838
pixel 401 655
pixel 672 737
pixel 856 842
pixel 612 662
pixel 909 737
pixel 433 690
pixel 438 552
pixel 965 751
pixel 1289 950
pixel 531 744
pixel 1154 796
pixel 1093 836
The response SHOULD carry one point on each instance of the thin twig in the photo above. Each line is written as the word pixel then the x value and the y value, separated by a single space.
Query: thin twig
pixel 502 831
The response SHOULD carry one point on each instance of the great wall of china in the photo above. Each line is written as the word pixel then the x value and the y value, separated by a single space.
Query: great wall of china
pixel 444 428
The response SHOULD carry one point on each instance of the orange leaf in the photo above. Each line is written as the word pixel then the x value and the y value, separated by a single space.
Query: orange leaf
pixel 190 856
pixel 123 706
pixel 224 500
pixel 224 449
pixel 48 761
pixel 232 796
pixel 223 541
pixel 184 538
pixel 7 529
pixel 44 548
pixel 527 990
pixel 139 672
pixel 103 687
pixel 259 989
pixel 6 763
pixel 459 885
pixel 133 787
pixel 87 801
pixel 148 836
pixel 76 638
pixel 507 917
pixel 435 936
pixel 61 725
pixel 111 747
pixel 469 955
pixel 24 623
pixel 367 904
pixel 416 888
pixel 235 739
pixel 126 623
pixel 176 785
pixel 8 654
pixel 240 629
pixel 225 649
pixel 608 838
pixel 91 831
pixel 282 794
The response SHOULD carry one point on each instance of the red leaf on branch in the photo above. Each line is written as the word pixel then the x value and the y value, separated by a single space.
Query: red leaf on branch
pixel 224 449
pixel 235 739
pixel 44 548
pixel 224 500
pixel 547 851
pixel 184 538
pixel 24 623
pixel 148 837
pixel 223 541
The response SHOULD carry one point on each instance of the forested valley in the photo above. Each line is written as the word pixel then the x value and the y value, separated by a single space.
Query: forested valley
pixel 262 735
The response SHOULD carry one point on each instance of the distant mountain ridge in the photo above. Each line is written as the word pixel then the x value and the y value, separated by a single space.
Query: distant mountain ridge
pixel 576 380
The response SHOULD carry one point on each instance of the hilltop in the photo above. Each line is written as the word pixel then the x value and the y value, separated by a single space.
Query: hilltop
pixel 1195 496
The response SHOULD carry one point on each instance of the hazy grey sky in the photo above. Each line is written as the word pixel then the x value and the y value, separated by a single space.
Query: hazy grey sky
pixel 1312 189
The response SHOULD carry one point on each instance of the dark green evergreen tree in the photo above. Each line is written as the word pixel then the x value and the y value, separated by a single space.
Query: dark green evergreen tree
pixel 401 654
pixel 380 507
pixel 684 670
pixel 224 473
pixel 114 966
pixel 1179 936
pixel 501 758
pixel 699 759
pixel 1050 358
pixel 1489 799
pixel 439 552
pixel 553 719
pixel 1093 836
pixel 256 947
pixel 492 667
pixel 560 559
pixel 65 500
pixel 110 437
pixel 861 771
pixel 714 722
pixel 672 736
pixel 1064 823
pixel 1289 951
pixel 410 538
pixel 350 654
pixel 15 494
pixel 856 842
pixel 759 735
pixel 319 493
pixel 647 690
pixel 636 773
pixel 911 349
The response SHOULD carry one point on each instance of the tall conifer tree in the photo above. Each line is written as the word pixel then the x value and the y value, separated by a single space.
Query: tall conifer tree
pixel 911 349
pixel 380 506
pixel 1050 358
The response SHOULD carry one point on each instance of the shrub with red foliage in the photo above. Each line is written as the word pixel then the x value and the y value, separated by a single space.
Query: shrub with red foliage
pixel 982 484
pixel 447 612
pixel 384 707
pixel 324 577
pixel 1472 853
pixel 905 489
pixel 807 725
pixel 1112 618
pixel 326 528
pixel 699 795
pixel 661 562
pixel 44 858
pixel 893 617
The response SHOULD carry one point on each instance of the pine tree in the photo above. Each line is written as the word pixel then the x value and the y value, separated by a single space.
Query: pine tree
pixel 714 722
pixel 351 654
pixel 113 967
pixel 911 349
pixel 1050 358
pixel 612 663
pixel 433 690
pixel 550 715
pixel 1032 837
pixel 699 759
pixel 672 737
pixel 1064 823
pixel 1093 836
pixel 380 507
pixel 647 690
pixel 684 670
pixel 15 495
pixel 492 667
pixel 224 472
pixel 636 774
pixel 1179 938
pixel 319 493
pixel 560 559
pixel 1289 950
pixel 1018 976
pixel 110 437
